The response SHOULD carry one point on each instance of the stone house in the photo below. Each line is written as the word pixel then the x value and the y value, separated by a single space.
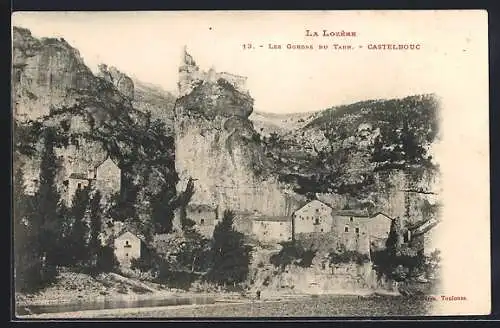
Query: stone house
pixel 357 230
pixel 269 229
pixel 128 246
pixel 352 230
pixel 105 177
pixel 315 216
pixel 379 226
pixel 204 216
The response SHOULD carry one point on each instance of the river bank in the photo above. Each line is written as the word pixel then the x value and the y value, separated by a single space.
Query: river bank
pixel 291 306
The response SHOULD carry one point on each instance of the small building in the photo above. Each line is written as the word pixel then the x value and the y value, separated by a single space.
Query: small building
pixel 105 177
pixel 204 216
pixel 357 230
pixel 128 246
pixel 379 225
pixel 315 216
pixel 271 229
pixel 76 181
pixel 352 229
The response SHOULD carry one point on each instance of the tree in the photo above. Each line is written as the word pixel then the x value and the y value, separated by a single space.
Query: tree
pixel 79 232
pixel 95 228
pixel 293 253
pixel 393 242
pixel 162 209
pixel 46 216
pixel 230 255
pixel 26 251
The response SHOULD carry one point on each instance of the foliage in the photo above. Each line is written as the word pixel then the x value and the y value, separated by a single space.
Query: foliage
pixel 162 209
pixel 405 128
pixel 95 227
pixel 78 238
pixel 31 273
pixel 194 254
pixel 293 253
pixel 106 259
pixel 346 256
pixel 230 257
pixel 47 205
pixel 401 261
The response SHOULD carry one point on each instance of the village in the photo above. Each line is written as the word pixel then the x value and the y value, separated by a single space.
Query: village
pixel 350 229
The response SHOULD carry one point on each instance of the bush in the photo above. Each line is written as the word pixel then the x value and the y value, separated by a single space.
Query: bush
pixel 230 255
pixel 345 256
pixel 106 260
pixel 35 277
pixel 293 253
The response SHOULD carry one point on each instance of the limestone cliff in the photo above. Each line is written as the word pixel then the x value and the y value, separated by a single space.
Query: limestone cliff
pixel 93 117
pixel 47 73
pixel 122 82
pixel 216 145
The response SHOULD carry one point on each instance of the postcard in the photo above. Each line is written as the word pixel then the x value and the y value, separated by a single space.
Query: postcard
pixel 244 164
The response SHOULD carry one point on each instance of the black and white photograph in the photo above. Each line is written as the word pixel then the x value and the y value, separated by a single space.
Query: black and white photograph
pixel 250 164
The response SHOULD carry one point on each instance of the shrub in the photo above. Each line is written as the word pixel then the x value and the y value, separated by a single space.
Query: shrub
pixel 344 256
pixel 293 253
pixel 106 260
pixel 230 256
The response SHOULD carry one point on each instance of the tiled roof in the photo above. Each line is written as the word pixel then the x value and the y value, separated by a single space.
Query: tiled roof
pixel 273 218
pixel 197 207
pixel 80 176
pixel 356 213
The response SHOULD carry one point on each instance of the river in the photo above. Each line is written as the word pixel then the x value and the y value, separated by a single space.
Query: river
pixel 307 306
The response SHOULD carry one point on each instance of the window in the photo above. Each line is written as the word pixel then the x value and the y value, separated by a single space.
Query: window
pixel 346 229
pixel 316 221
pixel 321 230
pixel 79 186
pixel 350 219
pixel 18 75
pixel 357 230
pixel 127 245
pixel 407 236
pixel 199 211
pixel 317 210
pixel 202 221
pixel 126 254
pixel 281 223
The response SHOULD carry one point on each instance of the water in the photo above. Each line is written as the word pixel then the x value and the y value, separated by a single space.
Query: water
pixel 319 306
pixel 112 304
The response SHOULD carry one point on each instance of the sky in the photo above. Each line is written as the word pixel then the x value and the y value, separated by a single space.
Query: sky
pixel 148 46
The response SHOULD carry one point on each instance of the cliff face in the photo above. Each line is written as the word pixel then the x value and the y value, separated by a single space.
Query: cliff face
pixel 155 100
pixel 46 74
pixel 93 117
pixel 216 145
pixel 122 82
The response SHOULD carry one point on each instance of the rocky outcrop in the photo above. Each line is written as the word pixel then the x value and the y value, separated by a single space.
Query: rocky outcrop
pixel 93 117
pixel 216 146
pixel 47 73
pixel 122 82
pixel 152 99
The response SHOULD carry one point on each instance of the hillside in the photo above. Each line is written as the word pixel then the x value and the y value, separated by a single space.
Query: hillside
pixel 363 150
pixel 152 98
pixel 94 117
pixel 267 123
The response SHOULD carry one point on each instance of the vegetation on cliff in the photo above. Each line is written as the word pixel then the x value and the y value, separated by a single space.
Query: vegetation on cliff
pixel 363 138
